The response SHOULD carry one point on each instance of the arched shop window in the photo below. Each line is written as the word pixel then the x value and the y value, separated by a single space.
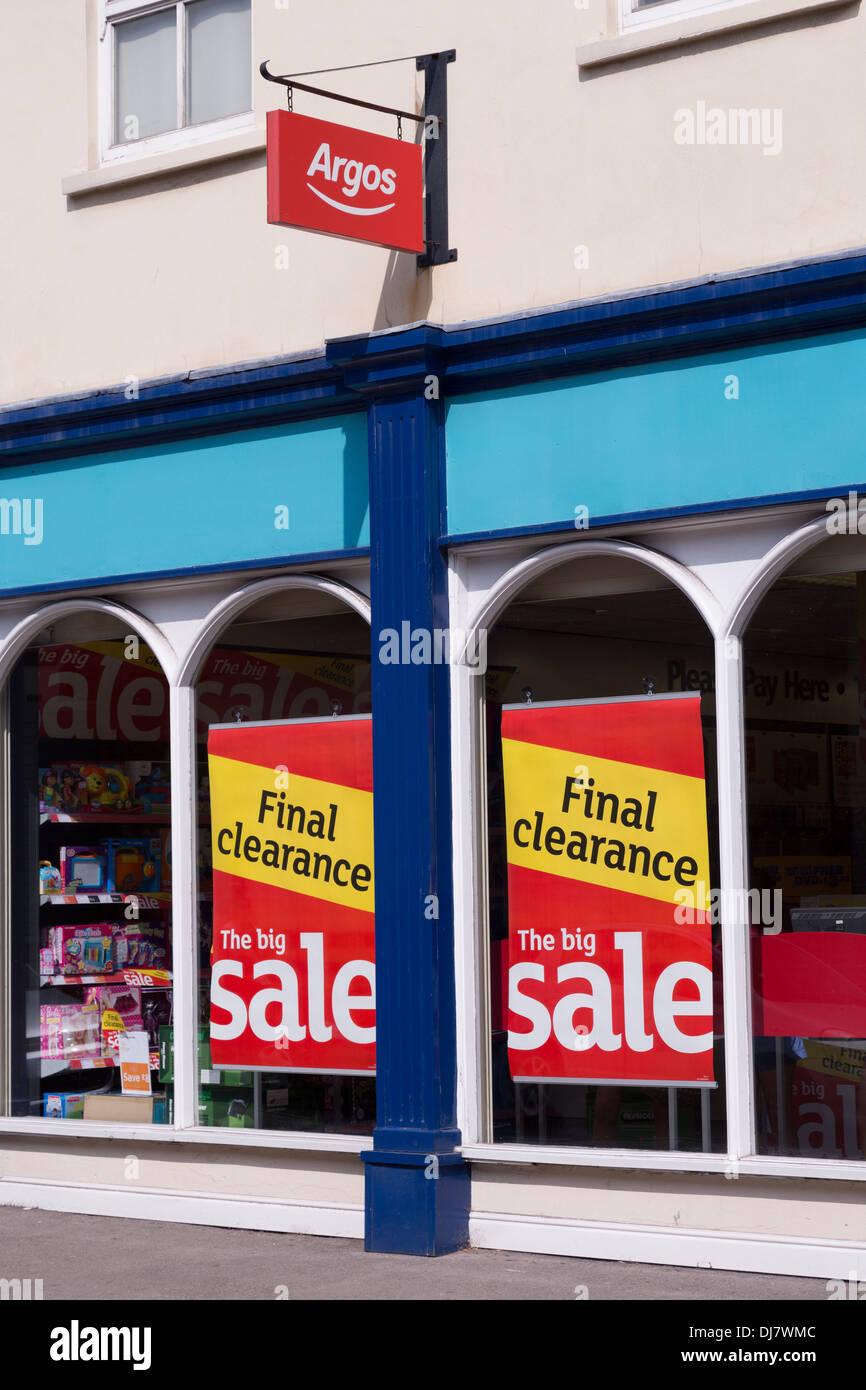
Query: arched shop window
pixel 89 843
pixel 279 1058
pixel 805 668
pixel 605 967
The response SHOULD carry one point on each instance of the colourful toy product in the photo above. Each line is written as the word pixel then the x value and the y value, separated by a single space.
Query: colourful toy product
pixel 86 950
pixel 69 1031
pixel 139 947
pixel 153 789
pixel 49 878
pixel 73 790
pixel 119 1012
pixel 156 1011
pixel 63 1105
pixel 133 865
pixel 83 869
pixel 107 788
pixel 49 789
pixel 46 961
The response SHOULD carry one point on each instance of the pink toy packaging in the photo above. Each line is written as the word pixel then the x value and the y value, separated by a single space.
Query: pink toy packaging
pixel 117 1004
pixel 69 1031
pixel 86 950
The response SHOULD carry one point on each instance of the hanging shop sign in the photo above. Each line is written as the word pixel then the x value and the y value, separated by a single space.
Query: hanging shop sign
pixel 292 983
pixel 344 182
pixel 609 949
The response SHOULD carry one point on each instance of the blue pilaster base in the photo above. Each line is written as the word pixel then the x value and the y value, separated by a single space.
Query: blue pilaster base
pixel 417 1204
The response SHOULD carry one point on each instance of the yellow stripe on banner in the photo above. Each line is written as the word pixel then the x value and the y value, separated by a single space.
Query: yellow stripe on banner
pixel 323 848
pixel 616 825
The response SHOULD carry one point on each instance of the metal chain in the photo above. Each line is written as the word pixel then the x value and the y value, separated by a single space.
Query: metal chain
pixel 399 127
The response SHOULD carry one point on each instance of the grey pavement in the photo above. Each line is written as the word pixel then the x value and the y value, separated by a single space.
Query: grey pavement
pixel 102 1257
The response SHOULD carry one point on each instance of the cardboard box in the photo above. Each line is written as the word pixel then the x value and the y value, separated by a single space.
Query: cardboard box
pixel 128 1109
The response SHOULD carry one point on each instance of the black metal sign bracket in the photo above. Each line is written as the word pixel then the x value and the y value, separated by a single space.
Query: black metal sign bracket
pixel 435 69
pixel 434 119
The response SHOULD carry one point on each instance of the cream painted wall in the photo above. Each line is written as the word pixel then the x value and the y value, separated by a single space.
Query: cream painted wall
pixel 206 1171
pixel 178 273
pixel 756 1206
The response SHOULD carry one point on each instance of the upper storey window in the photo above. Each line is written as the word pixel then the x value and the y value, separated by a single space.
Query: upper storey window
pixel 174 74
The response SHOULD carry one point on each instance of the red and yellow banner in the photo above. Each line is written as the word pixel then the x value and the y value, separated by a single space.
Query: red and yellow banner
pixel 609 968
pixel 293 983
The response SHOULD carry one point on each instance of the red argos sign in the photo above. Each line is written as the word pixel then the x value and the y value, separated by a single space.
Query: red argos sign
pixel 344 182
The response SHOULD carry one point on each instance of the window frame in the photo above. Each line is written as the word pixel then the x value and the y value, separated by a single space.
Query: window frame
pixel 475 573
pixel 182 137
pixel 634 17
pixel 134 608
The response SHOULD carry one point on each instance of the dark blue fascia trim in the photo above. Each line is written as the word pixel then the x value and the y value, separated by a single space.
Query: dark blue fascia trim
pixel 196 404
pixel 660 514
pixel 313 557
pixel 673 321
pixel 676 321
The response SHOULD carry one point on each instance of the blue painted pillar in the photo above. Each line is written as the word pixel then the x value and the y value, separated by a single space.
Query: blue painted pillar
pixel 417 1183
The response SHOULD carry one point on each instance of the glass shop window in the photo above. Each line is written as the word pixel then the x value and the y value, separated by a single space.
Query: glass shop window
pixel 289 658
pixel 805 667
pixel 89 841
pixel 605 948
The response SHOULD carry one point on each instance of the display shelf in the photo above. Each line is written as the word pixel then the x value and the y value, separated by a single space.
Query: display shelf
pixel 157 979
pixel 52 1065
pixel 104 818
pixel 147 901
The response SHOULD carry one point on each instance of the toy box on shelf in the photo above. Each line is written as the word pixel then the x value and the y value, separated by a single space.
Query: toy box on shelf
pixel 85 950
pixel 151 786
pixel 156 1008
pixel 134 865
pixel 119 1009
pixel 63 1105
pixel 97 788
pixel 139 946
pixel 83 869
pixel 50 880
pixel 69 1031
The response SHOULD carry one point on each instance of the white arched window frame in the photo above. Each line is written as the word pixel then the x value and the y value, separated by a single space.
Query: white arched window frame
pixel 725 593
pixel 180 669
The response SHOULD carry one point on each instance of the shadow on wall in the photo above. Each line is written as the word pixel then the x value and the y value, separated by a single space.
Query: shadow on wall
pixel 406 293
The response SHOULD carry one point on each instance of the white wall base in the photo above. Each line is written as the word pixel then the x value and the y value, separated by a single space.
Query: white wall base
pixel 155 1204
pixel 693 1249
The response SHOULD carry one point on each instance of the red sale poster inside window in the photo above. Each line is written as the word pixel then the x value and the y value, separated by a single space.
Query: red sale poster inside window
pixel 609 949
pixel 293 979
